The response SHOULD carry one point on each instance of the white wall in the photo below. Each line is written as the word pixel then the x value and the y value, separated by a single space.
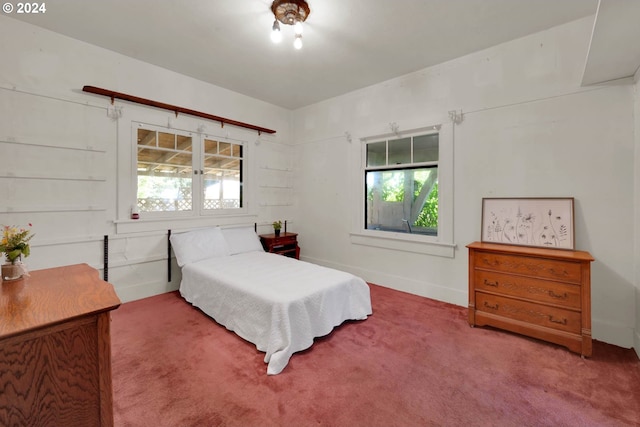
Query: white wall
pixel 59 153
pixel 529 130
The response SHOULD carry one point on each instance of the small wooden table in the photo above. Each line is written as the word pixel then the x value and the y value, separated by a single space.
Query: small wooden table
pixel 55 348
pixel 284 244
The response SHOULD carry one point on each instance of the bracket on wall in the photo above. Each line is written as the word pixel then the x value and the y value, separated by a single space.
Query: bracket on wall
pixel 114 112
pixel 456 116
pixel 395 128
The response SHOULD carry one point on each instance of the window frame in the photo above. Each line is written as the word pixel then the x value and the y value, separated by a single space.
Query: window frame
pixel 197 189
pixel 125 188
pixel 390 165
pixel 243 173
pixel 440 245
pixel 135 126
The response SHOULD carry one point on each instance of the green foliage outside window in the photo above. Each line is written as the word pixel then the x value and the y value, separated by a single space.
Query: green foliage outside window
pixel 429 215
pixel 393 191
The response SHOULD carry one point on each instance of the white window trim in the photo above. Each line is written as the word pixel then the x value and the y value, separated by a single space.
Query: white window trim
pixel 126 190
pixel 197 209
pixel 440 245
pixel 195 159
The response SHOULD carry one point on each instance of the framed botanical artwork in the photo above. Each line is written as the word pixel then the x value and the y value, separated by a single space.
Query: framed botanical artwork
pixel 539 222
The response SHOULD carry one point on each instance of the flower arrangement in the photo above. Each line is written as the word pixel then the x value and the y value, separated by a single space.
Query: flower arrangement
pixel 277 225
pixel 15 242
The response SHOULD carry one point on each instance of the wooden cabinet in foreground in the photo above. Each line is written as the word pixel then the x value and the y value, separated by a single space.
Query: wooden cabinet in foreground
pixel 538 292
pixel 55 349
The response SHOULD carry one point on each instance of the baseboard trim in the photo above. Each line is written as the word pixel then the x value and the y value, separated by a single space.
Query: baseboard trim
pixel 145 290
pixel 612 333
pixel 616 334
pixel 416 287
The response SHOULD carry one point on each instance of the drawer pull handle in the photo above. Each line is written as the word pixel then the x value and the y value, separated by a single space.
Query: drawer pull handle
pixel 491 306
pixel 488 283
pixel 559 321
pixel 559 296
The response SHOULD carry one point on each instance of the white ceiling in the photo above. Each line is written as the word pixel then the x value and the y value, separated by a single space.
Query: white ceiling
pixel 614 51
pixel 348 44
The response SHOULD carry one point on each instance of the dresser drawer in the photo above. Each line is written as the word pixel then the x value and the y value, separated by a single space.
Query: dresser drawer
pixel 543 293
pixel 566 295
pixel 531 266
pixel 537 314
pixel 287 240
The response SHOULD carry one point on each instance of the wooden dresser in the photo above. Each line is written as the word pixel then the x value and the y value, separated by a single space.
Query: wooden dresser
pixel 538 292
pixel 55 349
pixel 284 244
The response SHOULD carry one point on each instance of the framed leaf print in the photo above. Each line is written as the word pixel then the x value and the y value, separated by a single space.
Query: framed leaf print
pixel 539 222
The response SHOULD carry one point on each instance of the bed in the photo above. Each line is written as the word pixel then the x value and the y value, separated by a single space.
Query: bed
pixel 277 303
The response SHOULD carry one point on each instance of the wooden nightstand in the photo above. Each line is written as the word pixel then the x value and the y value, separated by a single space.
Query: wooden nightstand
pixel 285 244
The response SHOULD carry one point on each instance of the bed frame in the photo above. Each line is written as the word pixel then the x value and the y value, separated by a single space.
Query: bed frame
pixel 105 261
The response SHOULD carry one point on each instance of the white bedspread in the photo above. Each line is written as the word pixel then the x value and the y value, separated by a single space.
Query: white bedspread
pixel 277 303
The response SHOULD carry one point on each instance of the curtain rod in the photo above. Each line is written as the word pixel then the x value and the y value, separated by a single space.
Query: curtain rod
pixel 174 108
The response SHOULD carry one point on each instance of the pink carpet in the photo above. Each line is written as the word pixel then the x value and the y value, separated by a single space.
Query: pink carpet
pixel 415 362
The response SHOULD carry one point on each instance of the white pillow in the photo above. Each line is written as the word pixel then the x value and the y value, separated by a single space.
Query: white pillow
pixel 200 244
pixel 240 240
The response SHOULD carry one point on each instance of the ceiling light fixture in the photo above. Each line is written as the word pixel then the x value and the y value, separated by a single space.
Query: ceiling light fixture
pixel 289 12
pixel 276 35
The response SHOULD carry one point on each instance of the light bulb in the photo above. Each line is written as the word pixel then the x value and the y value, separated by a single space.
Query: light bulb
pixel 276 35
pixel 297 43
pixel 298 28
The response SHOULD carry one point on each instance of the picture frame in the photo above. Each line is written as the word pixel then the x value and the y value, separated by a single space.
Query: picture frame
pixel 537 222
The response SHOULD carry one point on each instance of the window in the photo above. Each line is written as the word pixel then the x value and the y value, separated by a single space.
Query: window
pixel 183 172
pixel 401 185
pixel 405 188
pixel 165 166
pixel 222 175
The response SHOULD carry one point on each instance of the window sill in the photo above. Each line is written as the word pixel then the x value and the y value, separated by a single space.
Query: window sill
pixel 404 242
pixel 125 226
